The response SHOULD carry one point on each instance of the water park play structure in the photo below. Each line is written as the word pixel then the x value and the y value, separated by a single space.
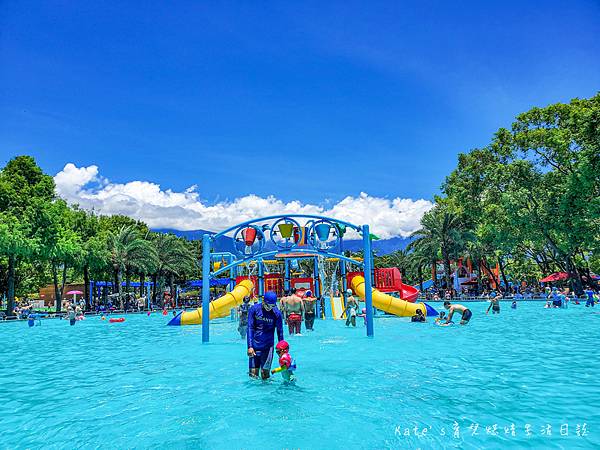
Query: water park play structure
pixel 218 308
pixel 286 240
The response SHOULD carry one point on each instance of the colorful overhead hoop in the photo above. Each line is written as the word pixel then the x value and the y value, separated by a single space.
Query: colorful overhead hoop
pixel 249 240
pixel 284 227
pixel 320 233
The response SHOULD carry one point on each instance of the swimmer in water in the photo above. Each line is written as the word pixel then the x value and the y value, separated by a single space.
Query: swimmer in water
pixel 494 304
pixel 243 312
pixel 364 315
pixel 263 320
pixel 441 317
pixel 309 310
pixel 418 317
pixel 465 312
pixel 71 315
pixel 440 321
pixel 287 365
pixel 514 305
pixel 283 300
pixel 590 298
pixel 33 319
pixel 294 312
pixel 351 309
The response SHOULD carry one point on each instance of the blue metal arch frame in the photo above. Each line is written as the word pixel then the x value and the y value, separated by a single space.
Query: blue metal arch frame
pixel 291 216
pixel 275 252
pixel 207 241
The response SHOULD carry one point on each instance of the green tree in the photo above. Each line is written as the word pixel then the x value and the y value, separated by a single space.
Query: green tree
pixel 441 229
pixel 129 252
pixel 58 243
pixel 24 188
pixel 174 259
pixel 95 255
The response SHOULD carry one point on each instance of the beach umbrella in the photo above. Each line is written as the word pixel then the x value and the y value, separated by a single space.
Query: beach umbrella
pixel 558 276
pixel 74 294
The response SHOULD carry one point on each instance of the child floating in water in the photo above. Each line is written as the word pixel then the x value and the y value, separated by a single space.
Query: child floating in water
pixel 364 315
pixel 441 320
pixel 287 365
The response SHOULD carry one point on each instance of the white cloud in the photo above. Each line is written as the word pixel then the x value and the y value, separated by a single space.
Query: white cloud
pixel 185 211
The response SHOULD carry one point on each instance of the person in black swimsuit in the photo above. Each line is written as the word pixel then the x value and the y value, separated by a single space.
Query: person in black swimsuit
pixel 494 305
pixel 466 312
pixel 418 317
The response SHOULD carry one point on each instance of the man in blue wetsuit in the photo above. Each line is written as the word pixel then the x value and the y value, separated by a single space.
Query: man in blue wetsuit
pixel 263 319
pixel 590 297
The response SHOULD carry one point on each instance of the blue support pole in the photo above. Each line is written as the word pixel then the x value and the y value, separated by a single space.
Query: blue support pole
pixel 316 277
pixel 286 279
pixel 261 278
pixel 344 280
pixel 205 286
pixel 368 279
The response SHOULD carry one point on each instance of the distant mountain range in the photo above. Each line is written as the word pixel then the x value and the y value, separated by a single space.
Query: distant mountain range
pixel 224 243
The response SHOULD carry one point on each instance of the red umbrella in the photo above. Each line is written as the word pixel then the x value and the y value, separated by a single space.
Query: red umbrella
pixel 558 276
pixel 74 293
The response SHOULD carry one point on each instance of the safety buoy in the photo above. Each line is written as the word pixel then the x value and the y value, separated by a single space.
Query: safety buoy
pixel 117 319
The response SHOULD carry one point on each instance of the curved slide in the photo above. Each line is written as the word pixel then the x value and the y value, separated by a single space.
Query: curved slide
pixel 389 304
pixel 221 307
pixel 409 293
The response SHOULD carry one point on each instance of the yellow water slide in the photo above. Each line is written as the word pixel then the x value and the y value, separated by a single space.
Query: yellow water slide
pixel 389 304
pixel 221 307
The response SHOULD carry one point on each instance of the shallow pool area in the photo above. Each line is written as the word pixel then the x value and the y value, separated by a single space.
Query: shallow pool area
pixel 499 382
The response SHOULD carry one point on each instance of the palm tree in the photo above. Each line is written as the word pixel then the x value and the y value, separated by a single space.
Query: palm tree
pixel 441 229
pixel 129 252
pixel 399 259
pixel 174 259
pixel 477 252
pixel 425 252
pixel 419 261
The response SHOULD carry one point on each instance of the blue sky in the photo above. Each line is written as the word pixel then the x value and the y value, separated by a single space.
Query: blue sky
pixel 308 101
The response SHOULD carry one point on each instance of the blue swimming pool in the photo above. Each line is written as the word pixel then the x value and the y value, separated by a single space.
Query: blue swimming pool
pixel 142 384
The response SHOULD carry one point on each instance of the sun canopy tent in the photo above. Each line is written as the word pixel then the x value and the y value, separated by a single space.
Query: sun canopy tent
pixel 191 283
pixel 558 276
pixel 213 282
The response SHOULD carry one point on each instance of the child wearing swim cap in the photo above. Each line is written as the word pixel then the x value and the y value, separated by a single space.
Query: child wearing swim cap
pixel 287 365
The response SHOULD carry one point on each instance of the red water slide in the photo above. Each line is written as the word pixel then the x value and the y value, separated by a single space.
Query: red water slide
pixel 389 279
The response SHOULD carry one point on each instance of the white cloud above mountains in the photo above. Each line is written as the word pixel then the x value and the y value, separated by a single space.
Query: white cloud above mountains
pixel 186 211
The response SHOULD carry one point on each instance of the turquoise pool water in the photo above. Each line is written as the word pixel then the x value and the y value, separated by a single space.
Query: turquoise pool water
pixel 141 384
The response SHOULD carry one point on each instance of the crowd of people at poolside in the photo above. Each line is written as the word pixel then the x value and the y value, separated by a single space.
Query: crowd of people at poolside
pixel 298 307
pixel 513 292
